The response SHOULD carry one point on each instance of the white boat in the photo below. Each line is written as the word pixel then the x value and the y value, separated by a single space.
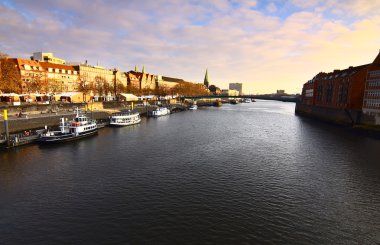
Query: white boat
pixel 80 127
pixel 160 111
pixel 125 118
pixel 247 100
pixel 193 107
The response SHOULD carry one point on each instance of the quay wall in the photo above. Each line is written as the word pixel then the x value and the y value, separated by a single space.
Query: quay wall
pixel 332 115
pixel 50 120
pixel 355 118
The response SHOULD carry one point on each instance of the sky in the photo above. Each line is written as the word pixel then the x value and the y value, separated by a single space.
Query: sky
pixel 265 44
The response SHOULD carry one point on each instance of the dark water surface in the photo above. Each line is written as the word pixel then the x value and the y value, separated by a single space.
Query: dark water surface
pixel 248 173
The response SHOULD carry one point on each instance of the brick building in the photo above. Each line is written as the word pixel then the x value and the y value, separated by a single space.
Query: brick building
pixel 352 93
pixel 32 74
pixel 371 103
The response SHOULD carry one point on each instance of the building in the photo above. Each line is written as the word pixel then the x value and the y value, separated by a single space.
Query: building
pixel 133 80
pixel 237 86
pixel 371 103
pixel 170 82
pixel 47 57
pixel 121 81
pixel 280 92
pixel 32 75
pixel 206 80
pixel 99 80
pixel 349 96
pixel 141 81
pixel 230 92
pixel 61 78
pixel 340 89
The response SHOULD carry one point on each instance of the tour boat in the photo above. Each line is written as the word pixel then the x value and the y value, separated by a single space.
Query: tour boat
pixel 193 107
pixel 160 111
pixel 125 118
pixel 80 127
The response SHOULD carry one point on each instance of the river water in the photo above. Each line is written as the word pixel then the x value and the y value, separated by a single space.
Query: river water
pixel 250 173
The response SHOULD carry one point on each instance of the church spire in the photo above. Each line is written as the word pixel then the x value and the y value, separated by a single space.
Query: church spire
pixel 135 68
pixel 143 69
pixel 206 81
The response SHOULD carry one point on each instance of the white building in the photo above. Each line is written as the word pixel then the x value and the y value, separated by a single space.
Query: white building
pixel 237 86
pixel 47 57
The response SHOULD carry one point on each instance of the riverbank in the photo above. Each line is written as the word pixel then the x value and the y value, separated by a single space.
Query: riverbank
pixel 25 126
pixel 354 121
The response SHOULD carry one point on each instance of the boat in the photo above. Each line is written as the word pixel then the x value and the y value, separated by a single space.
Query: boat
pixel 80 127
pixel 193 107
pixel 234 101
pixel 160 111
pixel 217 103
pixel 125 118
pixel 247 100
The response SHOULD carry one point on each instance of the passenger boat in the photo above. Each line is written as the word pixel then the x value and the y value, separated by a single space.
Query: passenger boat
pixel 193 107
pixel 125 118
pixel 160 111
pixel 80 127
pixel 247 100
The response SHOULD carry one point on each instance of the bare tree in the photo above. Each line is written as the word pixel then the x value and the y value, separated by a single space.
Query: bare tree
pixel 84 86
pixel 10 79
pixel 99 85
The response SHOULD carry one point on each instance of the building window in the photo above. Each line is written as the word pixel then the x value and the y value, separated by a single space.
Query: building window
pixel 319 92
pixel 343 92
pixel 374 73
pixel 329 92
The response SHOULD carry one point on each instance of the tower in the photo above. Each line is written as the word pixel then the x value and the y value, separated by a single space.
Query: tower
pixel 143 69
pixel 206 81
pixel 135 68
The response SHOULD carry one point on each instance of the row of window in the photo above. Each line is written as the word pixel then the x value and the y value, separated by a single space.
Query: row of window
pixel 63 71
pixel 97 70
pixel 374 82
pixel 91 127
pixel 61 76
pixel 339 75
pixel 373 93
pixel 373 103
pixel 374 73
pixel 28 67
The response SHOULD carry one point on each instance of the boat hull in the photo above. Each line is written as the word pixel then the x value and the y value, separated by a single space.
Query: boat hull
pixel 65 137
pixel 116 124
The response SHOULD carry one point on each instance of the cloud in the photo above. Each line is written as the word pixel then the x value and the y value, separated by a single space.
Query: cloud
pixel 305 4
pixel 271 7
pixel 237 40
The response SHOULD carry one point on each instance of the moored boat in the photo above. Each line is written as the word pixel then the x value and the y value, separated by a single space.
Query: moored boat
pixel 125 118
pixel 234 101
pixel 193 107
pixel 160 111
pixel 80 127
pixel 247 100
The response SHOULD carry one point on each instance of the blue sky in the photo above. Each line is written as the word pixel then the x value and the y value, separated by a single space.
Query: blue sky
pixel 266 45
